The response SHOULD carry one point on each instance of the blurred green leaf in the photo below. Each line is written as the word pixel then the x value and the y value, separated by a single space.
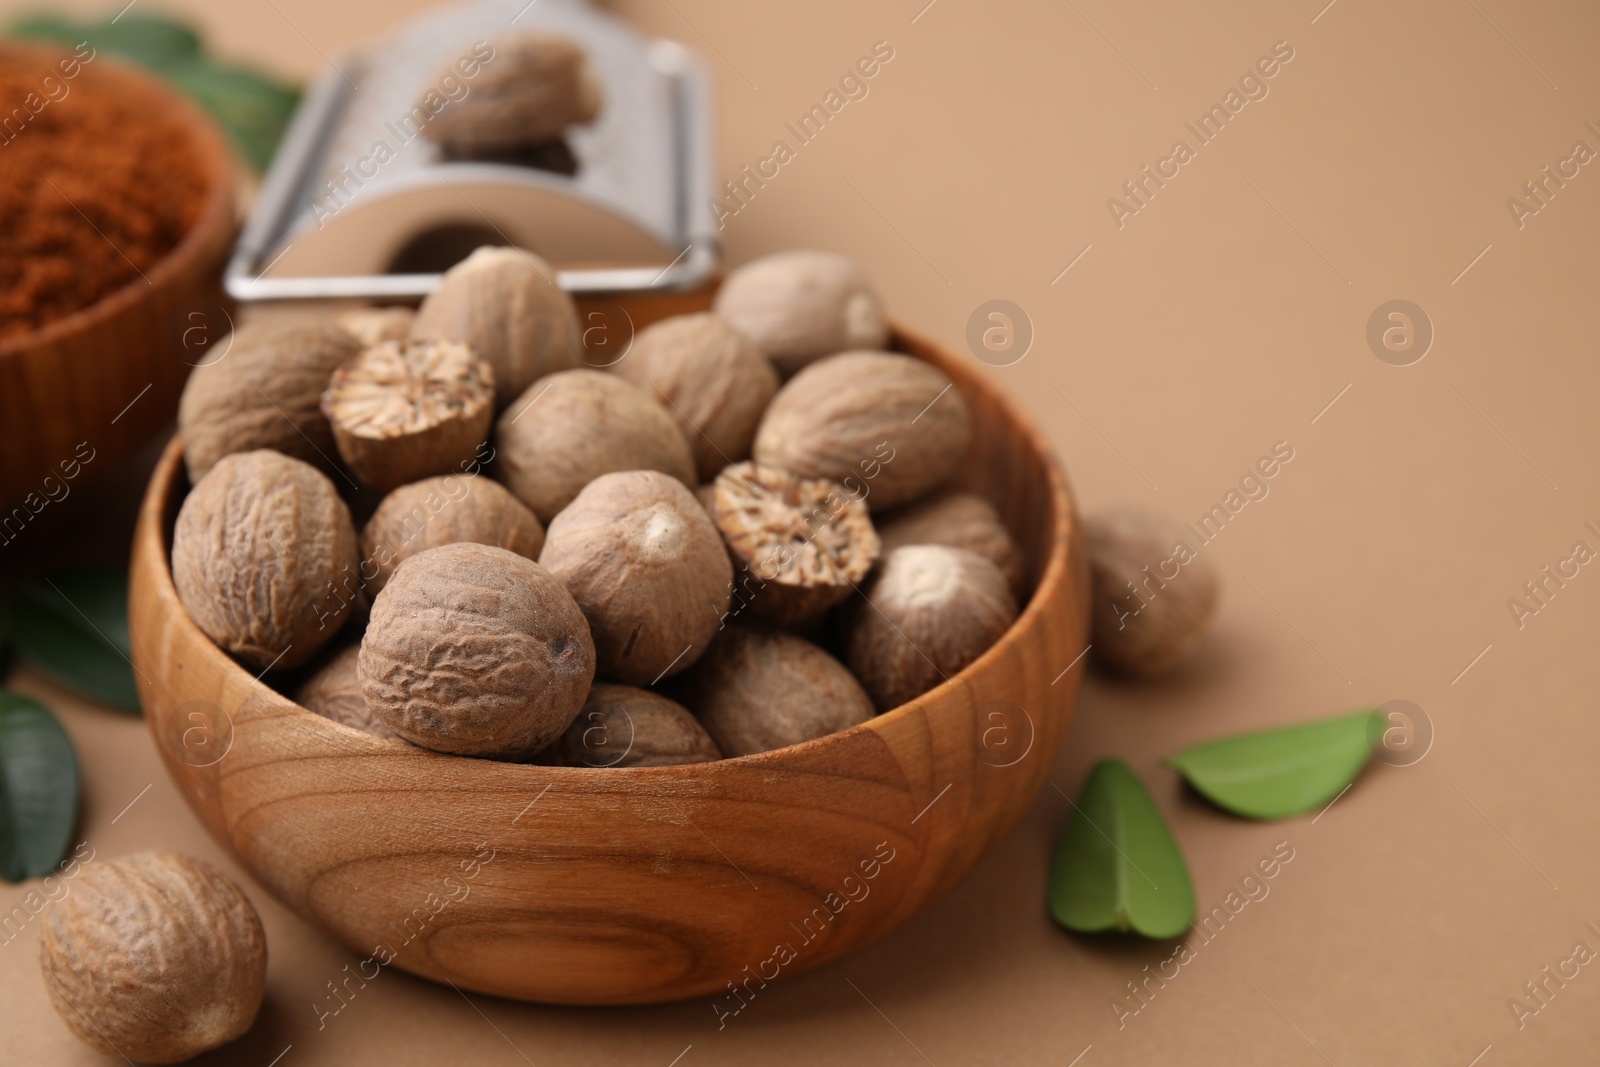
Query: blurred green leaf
pixel 1118 866
pixel 38 789
pixel 149 40
pixel 253 108
pixel 1274 774
pixel 73 627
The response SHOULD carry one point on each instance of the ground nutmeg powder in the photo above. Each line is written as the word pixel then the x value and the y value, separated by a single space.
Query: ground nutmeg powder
pixel 95 187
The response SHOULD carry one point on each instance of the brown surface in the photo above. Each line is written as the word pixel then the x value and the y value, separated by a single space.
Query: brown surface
pixel 1194 338
pixel 84 391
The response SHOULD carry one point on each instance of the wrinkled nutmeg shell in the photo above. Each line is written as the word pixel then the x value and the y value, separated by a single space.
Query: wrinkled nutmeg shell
pixel 264 558
pixel 643 560
pixel 713 379
pixel 960 520
pixel 264 390
pixel 1152 595
pixel 476 651
pixel 154 957
pixel 532 89
pixel 401 411
pixel 931 610
pixel 885 426
pixel 622 726
pixel 370 326
pixel 505 305
pixel 334 692
pixel 755 691
pixel 802 305
pixel 444 511
pixel 570 428
pixel 799 545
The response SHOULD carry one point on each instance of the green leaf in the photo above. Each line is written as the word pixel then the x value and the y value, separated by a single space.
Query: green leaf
pixel 149 40
pixel 38 789
pixel 1118 866
pixel 73 627
pixel 1274 774
pixel 254 109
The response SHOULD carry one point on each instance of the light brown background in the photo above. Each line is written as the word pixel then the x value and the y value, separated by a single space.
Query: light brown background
pixel 1223 318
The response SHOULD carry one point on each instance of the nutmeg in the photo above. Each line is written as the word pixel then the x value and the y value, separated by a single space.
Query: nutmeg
pixel 264 558
pixel 443 511
pixel 799 306
pixel 887 427
pixel 535 86
pixel 263 391
pixel 755 691
pixel 960 520
pixel 712 378
pixel 505 305
pixel 476 651
pixel 154 957
pixel 928 612
pixel 1152 593
pixel 334 692
pixel 572 427
pixel 648 569
pixel 404 411
pixel 622 726
pixel 370 325
pixel 799 545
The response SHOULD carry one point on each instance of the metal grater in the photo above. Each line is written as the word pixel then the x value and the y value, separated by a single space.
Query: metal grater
pixel 633 217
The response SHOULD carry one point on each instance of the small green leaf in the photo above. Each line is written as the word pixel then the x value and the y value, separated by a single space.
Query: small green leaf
pixel 38 789
pixel 149 40
pixel 1274 774
pixel 1118 866
pixel 253 108
pixel 73 627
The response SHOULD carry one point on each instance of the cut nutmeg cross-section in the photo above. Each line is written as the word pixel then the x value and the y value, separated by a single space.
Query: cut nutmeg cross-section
pixel 801 544
pixel 406 410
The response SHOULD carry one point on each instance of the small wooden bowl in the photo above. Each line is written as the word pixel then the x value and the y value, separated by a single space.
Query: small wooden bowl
pixel 108 377
pixel 580 886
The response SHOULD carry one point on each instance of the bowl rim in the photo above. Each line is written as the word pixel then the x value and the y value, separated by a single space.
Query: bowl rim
pixel 216 162
pixel 1050 587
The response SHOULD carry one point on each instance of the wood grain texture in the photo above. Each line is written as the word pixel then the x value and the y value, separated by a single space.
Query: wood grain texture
pixel 579 886
pixel 84 378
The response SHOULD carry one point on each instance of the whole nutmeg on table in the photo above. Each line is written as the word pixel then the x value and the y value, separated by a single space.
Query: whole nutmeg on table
pixel 154 957
pixel 623 726
pixel 712 378
pixel 370 325
pixel 263 391
pixel 799 306
pixel 959 520
pixel 930 610
pixel 1152 594
pixel 505 305
pixel 647 567
pixel 755 691
pixel 476 651
pixel 887 427
pixel 443 511
pixel 533 88
pixel 572 427
pixel 799 545
pixel 401 411
pixel 334 692
pixel 264 558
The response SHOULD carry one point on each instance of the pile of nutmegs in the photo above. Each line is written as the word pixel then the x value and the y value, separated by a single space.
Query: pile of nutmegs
pixel 741 536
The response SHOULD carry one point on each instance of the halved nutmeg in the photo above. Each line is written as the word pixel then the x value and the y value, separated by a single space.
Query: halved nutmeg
pixel 407 410
pixel 799 545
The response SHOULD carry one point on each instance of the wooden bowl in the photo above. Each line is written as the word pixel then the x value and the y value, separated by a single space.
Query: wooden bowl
pixel 103 380
pixel 583 886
